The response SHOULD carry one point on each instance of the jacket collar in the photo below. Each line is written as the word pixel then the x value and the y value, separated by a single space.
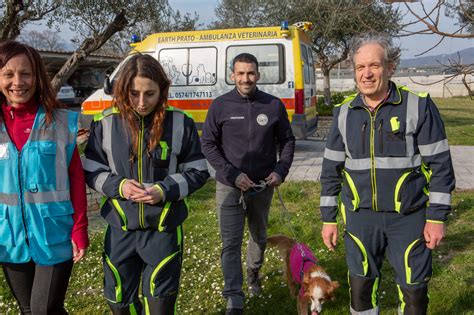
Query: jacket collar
pixel 250 97
pixel 394 97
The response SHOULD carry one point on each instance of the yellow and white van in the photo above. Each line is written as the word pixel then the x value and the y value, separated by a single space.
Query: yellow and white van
pixel 198 65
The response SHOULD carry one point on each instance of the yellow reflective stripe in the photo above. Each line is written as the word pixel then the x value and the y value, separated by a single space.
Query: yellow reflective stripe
pixel 343 213
pixel 141 206
pixel 161 191
pixel 157 269
pixel 365 262
pixel 375 288
pixel 350 182
pixel 398 204
pixel 179 233
pixel 147 307
pixel 435 221
pixel 420 94
pixel 400 297
pixel 103 200
pixel 133 310
pixel 121 213
pixel 118 287
pixel 164 150
pixel 165 211
pixel 120 187
pixel 407 266
pixel 330 223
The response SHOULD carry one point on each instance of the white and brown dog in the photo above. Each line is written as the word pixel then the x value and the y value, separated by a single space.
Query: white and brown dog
pixel 302 270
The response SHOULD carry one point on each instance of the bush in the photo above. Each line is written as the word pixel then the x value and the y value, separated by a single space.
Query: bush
pixel 326 110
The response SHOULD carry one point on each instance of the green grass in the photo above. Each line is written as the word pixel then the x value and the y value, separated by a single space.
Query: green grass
pixel 451 290
pixel 458 116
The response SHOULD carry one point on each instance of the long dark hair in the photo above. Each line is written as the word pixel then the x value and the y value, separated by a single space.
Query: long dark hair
pixel 44 93
pixel 144 66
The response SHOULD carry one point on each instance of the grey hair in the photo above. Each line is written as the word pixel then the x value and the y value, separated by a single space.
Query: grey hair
pixel 391 51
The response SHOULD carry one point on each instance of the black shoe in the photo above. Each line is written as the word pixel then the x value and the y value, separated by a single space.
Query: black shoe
pixel 253 281
pixel 234 311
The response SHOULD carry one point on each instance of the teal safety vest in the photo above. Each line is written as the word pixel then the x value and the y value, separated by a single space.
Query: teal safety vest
pixel 35 206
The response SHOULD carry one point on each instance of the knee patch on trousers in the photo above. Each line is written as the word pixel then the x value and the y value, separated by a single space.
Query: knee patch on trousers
pixel 413 301
pixel 363 293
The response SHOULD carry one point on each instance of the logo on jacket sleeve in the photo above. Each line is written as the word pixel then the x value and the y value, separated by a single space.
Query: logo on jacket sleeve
pixel 262 119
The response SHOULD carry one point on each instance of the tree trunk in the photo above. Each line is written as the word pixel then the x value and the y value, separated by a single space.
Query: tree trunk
pixel 10 24
pixel 88 46
pixel 327 85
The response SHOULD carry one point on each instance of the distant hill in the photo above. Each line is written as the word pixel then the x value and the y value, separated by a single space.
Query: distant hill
pixel 466 55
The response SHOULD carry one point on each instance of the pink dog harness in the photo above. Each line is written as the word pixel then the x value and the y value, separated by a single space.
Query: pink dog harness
pixel 301 259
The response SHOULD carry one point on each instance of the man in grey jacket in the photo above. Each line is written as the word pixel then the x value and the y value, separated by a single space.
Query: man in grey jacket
pixel 243 130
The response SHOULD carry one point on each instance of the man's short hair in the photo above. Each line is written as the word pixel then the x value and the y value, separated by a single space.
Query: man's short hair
pixel 244 57
pixel 391 51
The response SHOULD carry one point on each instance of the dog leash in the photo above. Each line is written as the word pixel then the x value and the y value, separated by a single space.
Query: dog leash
pixel 285 214
pixel 261 186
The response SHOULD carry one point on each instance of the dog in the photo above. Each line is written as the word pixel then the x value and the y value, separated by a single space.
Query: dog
pixel 302 270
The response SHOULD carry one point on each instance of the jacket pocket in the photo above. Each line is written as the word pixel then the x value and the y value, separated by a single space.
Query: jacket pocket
pixel 46 156
pixel 392 143
pixel 6 232
pixel 57 222
pixel 350 196
pixel 356 255
pixel 410 191
pixel 113 282
pixel 417 261
pixel 121 214
pixel 172 215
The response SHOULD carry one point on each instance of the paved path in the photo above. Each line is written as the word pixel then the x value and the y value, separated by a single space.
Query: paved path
pixel 309 158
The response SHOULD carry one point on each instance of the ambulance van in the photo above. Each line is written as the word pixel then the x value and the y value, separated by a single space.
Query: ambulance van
pixel 198 63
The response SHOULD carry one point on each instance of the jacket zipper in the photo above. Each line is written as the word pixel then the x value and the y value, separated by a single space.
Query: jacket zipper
pixel 141 206
pixel 21 198
pixel 250 133
pixel 372 157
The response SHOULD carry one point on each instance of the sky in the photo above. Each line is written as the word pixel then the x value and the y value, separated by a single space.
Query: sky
pixel 411 46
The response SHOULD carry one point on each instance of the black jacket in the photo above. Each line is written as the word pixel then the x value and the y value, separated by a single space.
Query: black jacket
pixel 394 159
pixel 243 134
pixel 176 165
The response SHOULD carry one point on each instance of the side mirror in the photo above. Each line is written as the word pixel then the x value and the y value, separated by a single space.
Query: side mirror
pixel 108 85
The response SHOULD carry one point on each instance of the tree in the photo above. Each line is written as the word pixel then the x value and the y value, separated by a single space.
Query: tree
pixel 239 13
pixel 428 23
pixel 14 14
pixel 336 22
pixel 97 21
pixel 46 40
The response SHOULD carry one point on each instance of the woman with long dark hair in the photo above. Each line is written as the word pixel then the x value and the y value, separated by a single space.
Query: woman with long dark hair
pixel 43 220
pixel 145 157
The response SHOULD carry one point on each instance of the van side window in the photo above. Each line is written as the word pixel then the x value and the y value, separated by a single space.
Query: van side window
pixel 311 66
pixel 271 62
pixel 190 66
pixel 306 64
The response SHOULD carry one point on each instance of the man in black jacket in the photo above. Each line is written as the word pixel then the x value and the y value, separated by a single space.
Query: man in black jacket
pixel 241 134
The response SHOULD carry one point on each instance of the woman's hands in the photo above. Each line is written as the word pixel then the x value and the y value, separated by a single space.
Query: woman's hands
pixel 133 190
